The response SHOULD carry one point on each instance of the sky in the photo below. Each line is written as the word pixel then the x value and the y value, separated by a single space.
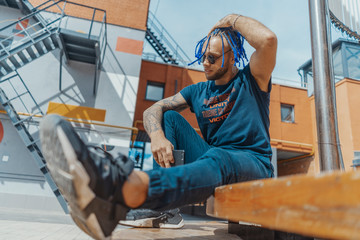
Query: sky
pixel 190 20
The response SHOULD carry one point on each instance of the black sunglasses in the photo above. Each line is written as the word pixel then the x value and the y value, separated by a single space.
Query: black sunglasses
pixel 211 58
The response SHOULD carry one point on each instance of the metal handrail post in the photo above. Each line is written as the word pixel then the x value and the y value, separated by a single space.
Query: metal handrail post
pixel 105 38
pixel 62 16
pixel 92 22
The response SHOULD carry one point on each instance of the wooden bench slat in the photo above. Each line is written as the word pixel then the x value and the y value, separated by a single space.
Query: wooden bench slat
pixel 326 205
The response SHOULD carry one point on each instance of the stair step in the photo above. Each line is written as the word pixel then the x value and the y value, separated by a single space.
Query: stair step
pixel 6 66
pixel 15 62
pixel 39 48
pixel 32 143
pixel 48 44
pixel 11 4
pixel 72 38
pixel 31 52
pixel 42 166
pixel 54 39
pixel 11 113
pixel 2 71
pixel 23 57
pixel 36 153
pixel 82 58
pixel 46 173
pixel 85 51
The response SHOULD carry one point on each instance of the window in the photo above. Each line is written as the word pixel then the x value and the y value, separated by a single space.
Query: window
pixel 287 113
pixel 154 91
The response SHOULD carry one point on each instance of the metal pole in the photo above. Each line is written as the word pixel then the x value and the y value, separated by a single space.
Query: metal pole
pixel 60 70
pixel 323 85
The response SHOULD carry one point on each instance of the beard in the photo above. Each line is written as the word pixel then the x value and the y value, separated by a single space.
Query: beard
pixel 218 74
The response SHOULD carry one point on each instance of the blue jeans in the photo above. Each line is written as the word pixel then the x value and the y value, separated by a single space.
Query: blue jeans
pixel 206 167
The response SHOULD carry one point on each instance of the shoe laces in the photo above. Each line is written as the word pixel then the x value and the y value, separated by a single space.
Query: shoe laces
pixel 113 172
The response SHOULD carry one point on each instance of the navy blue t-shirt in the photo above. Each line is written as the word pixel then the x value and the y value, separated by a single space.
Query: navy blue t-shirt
pixel 233 116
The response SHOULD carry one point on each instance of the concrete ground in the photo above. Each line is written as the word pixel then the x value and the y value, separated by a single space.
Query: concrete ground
pixel 20 224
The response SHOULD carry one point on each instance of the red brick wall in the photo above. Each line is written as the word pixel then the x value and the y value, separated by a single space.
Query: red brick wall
pixel 127 13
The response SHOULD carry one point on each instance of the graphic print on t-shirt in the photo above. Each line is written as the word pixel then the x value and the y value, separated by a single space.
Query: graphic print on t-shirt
pixel 217 108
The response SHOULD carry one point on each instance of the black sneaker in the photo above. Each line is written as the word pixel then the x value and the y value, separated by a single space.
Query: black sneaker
pixel 89 179
pixel 146 218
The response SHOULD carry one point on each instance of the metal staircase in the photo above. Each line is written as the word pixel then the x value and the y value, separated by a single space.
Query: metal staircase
pixel 48 33
pixel 164 44
pixel 75 48
pixel 15 58
pixel 37 34
pixel 36 40
pixel 21 97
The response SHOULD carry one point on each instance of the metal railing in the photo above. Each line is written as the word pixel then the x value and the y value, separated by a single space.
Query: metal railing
pixel 165 37
pixel 26 34
pixel 49 16
pixel 17 89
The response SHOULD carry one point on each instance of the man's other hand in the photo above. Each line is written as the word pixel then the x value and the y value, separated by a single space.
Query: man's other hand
pixel 161 149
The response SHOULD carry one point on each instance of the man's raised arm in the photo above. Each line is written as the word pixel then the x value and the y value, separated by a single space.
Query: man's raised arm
pixel 160 146
pixel 262 61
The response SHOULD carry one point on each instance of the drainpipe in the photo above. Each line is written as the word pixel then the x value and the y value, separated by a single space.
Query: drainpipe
pixel 324 85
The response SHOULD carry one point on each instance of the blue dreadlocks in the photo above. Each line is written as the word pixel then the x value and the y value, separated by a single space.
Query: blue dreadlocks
pixel 235 40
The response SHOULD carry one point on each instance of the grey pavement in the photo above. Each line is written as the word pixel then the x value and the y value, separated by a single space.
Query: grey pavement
pixel 27 224
pixel 21 224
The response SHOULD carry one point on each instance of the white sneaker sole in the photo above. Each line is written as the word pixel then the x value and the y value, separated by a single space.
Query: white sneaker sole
pixel 148 223
pixel 70 176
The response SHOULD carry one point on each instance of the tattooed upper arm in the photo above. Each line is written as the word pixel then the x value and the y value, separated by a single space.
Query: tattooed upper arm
pixel 176 103
pixel 153 115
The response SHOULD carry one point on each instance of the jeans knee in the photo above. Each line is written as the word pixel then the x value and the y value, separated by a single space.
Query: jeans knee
pixel 170 116
pixel 219 156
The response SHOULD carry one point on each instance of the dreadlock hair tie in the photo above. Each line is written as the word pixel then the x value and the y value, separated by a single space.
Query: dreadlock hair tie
pixel 234 39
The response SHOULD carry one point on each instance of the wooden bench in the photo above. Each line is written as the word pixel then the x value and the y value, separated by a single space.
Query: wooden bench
pixel 324 206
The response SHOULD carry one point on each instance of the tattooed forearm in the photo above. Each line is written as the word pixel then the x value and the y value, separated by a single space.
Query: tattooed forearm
pixel 153 115
pixel 152 119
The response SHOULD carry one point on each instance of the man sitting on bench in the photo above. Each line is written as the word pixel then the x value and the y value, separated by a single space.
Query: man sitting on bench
pixel 232 110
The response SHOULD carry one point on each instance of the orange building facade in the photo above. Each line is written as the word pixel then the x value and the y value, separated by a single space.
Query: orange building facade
pixel 348 112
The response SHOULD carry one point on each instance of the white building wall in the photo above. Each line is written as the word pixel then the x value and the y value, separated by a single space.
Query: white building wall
pixel 20 178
